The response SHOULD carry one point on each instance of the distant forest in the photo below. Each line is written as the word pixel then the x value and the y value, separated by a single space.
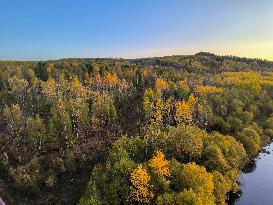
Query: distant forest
pixel 165 130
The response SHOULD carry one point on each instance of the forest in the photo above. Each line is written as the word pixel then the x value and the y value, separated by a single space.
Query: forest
pixel 162 130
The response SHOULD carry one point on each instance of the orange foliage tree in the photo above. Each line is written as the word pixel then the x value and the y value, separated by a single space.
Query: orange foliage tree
pixel 159 164
pixel 140 189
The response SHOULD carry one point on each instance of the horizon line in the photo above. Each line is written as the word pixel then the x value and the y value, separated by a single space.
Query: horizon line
pixel 135 58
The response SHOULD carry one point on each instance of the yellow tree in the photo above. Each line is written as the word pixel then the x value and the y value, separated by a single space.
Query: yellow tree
pixel 112 79
pixel 51 70
pixel 140 188
pixel 98 79
pixel 159 164
pixel 191 101
pixel 49 87
pixel 202 90
pixel 77 89
pixel 183 112
pixel 148 102
pixel 18 72
pixel 158 109
pixel 161 84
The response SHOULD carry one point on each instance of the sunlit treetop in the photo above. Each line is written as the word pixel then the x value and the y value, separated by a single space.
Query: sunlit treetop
pixel 161 84
pixel 159 164
pixel 140 189
pixel 208 89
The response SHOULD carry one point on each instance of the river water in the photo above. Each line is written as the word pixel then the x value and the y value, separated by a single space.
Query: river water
pixel 256 185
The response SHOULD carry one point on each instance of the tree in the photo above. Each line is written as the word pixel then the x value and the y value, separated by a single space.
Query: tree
pixel 191 101
pixel 269 126
pixel 187 197
pixel 18 88
pixel 140 188
pixel 103 113
pixel 159 165
pixel 60 127
pixel 203 90
pixel 148 102
pixel 214 159
pixel 221 188
pixel 251 141
pixel 112 79
pixel 15 123
pixel 36 132
pixel 233 152
pixel 49 87
pixel 185 143
pixel 183 112
pixel 41 71
pixel 80 117
pixel 77 90
pixel 111 184
pixel 161 170
pixel 161 84
pixel 195 177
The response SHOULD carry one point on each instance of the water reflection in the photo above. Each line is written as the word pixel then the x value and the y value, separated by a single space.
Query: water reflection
pixel 256 181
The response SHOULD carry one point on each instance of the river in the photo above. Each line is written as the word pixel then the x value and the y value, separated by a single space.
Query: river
pixel 256 185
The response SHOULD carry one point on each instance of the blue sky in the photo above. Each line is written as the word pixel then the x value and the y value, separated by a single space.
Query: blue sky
pixel 52 29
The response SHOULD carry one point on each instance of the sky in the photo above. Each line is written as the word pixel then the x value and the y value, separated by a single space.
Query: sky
pixel 53 29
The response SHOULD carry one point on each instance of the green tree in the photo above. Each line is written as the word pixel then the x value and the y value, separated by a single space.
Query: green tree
pixel 15 123
pixel 36 132
pixel 251 141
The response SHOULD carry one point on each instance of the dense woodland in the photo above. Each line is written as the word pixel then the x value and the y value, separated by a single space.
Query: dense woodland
pixel 168 130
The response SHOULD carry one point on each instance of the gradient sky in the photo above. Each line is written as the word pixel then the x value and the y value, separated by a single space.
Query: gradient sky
pixel 52 29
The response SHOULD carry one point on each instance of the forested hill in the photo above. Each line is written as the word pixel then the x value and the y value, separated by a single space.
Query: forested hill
pixel 206 62
pixel 163 130
pixel 200 62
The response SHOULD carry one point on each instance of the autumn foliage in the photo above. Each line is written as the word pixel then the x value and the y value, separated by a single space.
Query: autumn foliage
pixel 140 189
pixel 166 130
